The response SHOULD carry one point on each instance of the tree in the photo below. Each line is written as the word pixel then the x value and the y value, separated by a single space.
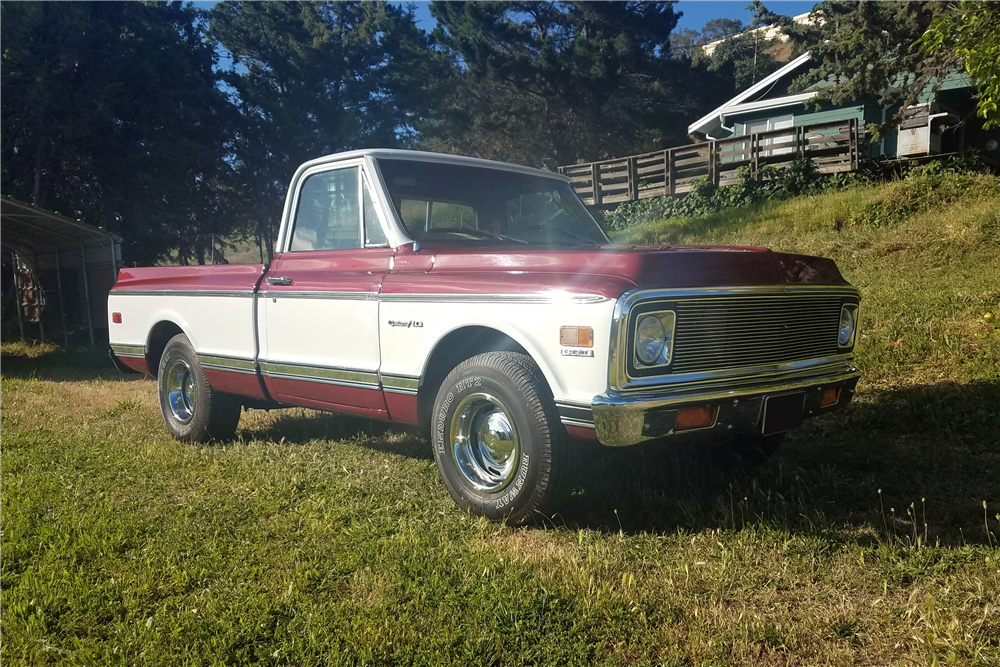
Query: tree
pixel 310 79
pixel 111 114
pixel 969 32
pixel 688 43
pixel 556 82
pixel 743 57
pixel 867 50
pixel 720 28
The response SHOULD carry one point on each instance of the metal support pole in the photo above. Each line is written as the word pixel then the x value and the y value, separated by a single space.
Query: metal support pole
pixel 62 302
pixel 38 299
pixel 17 298
pixel 86 294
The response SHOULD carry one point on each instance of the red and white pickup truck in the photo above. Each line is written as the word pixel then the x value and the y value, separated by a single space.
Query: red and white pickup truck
pixel 482 300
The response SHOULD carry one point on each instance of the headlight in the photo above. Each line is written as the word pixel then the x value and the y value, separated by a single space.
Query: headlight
pixel 848 325
pixel 654 338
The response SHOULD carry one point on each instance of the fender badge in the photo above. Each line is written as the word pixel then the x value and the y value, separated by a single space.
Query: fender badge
pixel 407 324
pixel 576 352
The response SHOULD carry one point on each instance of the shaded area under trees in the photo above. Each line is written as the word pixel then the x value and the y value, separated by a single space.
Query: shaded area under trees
pixel 175 127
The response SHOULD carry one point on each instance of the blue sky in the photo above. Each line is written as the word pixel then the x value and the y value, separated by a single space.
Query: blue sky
pixel 695 12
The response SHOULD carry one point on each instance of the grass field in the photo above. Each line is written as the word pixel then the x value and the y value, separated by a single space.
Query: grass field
pixel 871 539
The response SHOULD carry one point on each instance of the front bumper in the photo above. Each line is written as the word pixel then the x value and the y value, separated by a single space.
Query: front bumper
pixel 623 419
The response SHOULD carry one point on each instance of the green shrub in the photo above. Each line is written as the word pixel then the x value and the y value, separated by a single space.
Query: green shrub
pixel 915 189
pixel 770 184
pixel 939 182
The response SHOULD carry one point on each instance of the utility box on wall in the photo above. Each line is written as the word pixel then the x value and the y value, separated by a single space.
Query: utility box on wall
pixel 920 130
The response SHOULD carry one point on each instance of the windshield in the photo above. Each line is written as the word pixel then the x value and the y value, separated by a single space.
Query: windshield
pixel 464 203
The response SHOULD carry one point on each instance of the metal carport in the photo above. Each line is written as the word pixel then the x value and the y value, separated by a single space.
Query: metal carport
pixel 51 254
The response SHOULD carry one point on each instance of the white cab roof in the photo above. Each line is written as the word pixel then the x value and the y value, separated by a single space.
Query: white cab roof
pixel 425 156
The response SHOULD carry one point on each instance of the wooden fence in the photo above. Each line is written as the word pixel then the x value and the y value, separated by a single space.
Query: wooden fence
pixel 832 147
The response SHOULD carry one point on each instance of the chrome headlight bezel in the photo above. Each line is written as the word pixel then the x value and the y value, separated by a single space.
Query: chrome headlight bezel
pixel 667 319
pixel 847 327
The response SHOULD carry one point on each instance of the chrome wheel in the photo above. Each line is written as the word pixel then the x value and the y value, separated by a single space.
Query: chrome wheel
pixel 484 442
pixel 182 391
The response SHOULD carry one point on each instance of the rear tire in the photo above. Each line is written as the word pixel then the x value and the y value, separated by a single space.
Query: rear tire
pixel 499 445
pixel 192 410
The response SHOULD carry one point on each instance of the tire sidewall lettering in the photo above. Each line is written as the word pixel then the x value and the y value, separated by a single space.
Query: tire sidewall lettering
pixel 514 490
pixel 444 412
pixel 511 498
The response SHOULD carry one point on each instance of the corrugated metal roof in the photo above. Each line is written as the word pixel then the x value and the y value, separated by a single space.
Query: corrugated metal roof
pixel 37 229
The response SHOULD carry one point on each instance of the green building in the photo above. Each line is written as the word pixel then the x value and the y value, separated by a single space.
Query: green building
pixel 944 121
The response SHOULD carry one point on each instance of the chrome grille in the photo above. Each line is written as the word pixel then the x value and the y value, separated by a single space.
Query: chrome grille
pixel 734 332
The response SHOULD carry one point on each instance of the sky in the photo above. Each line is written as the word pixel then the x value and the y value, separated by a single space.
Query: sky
pixel 695 12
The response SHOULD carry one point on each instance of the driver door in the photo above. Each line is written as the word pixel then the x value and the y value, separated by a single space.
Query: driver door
pixel 318 303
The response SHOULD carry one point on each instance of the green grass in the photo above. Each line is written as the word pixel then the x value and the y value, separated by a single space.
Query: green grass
pixel 316 539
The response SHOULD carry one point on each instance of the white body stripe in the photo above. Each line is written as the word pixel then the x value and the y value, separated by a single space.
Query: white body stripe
pixel 405 350
pixel 215 325
pixel 332 333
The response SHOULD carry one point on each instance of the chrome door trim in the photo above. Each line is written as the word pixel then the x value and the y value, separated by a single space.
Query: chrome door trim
pixel 576 299
pixel 347 377
pixel 342 296
pixel 180 292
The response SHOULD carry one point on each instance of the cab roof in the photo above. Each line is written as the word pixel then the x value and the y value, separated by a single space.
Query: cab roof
pixel 426 156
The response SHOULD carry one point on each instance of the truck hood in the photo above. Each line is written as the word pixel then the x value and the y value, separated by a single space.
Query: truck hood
pixel 609 270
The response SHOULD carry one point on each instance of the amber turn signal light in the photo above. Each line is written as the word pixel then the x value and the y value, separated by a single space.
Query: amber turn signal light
pixel 116 318
pixel 702 416
pixel 576 337
pixel 830 396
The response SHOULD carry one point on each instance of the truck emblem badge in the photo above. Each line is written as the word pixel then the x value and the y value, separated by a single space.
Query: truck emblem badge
pixel 575 352
pixel 406 324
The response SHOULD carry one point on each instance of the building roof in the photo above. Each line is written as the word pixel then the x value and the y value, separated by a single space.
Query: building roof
pixel 769 32
pixel 34 228
pixel 715 119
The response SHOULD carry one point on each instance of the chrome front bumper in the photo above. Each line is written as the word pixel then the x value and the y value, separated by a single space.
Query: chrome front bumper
pixel 623 419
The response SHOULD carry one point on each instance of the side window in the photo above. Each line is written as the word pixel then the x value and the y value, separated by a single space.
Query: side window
pixel 328 216
pixel 373 230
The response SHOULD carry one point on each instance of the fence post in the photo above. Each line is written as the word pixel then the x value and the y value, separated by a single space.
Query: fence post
pixel 713 167
pixel 633 180
pixel 668 159
pixel 853 142
pixel 754 151
pixel 595 178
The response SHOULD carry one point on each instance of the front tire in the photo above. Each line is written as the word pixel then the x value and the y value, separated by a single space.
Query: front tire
pixel 498 442
pixel 192 410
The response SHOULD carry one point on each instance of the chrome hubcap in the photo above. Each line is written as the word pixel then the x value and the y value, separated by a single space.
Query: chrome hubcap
pixel 484 442
pixel 182 391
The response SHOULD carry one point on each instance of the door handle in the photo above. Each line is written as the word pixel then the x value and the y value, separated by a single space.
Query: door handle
pixel 275 280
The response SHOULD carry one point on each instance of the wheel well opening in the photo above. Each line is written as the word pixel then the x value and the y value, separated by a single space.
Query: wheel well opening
pixel 158 337
pixel 450 351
